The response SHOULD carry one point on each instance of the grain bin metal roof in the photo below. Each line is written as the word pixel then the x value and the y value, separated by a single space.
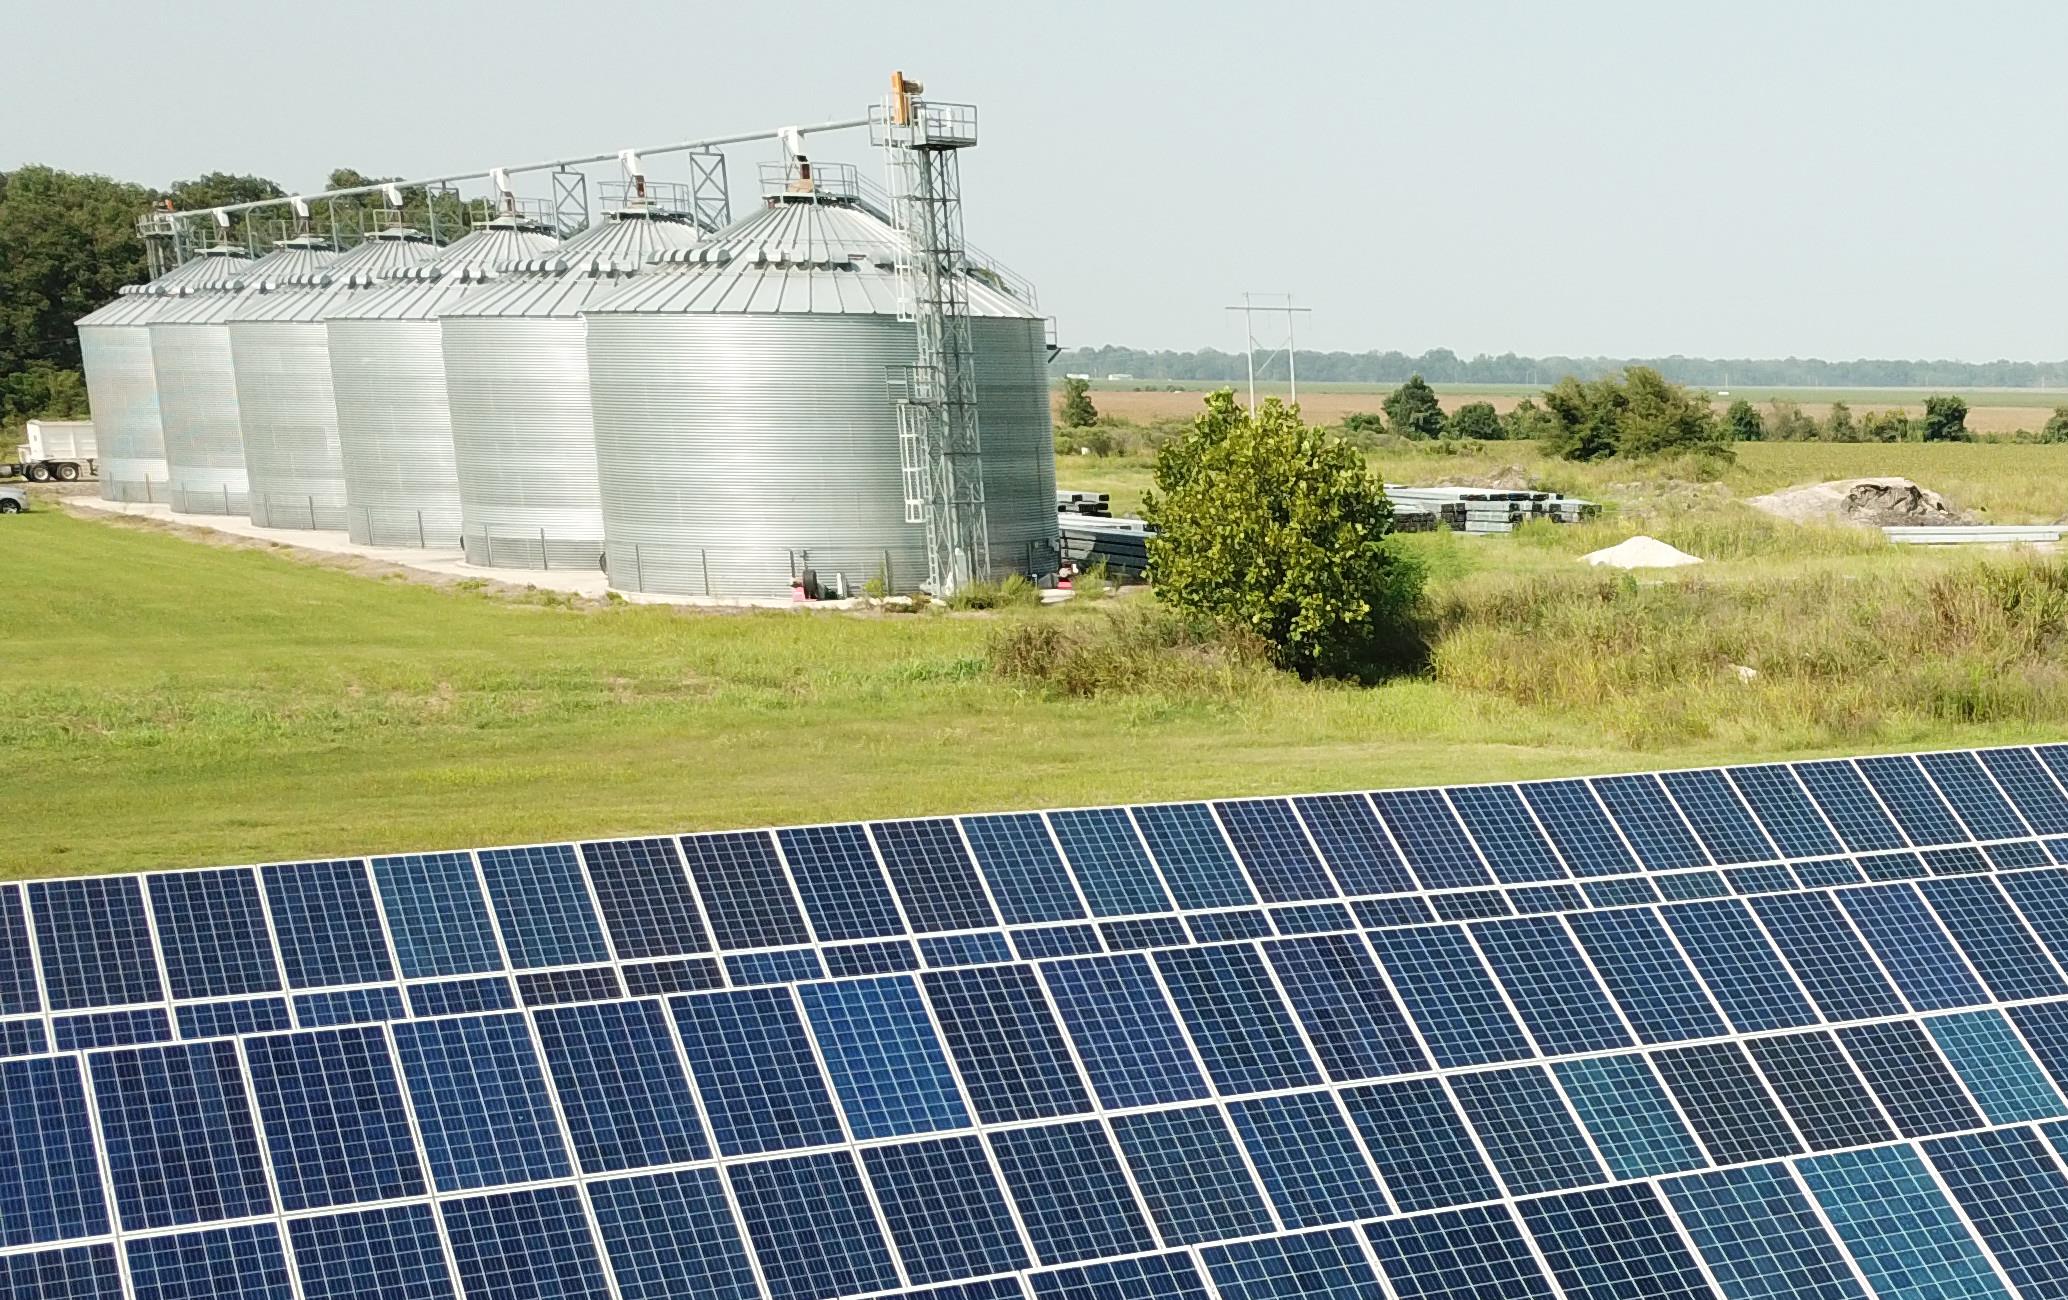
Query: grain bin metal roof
pixel 290 259
pixel 591 264
pixel 366 267
pixel 426 290
pixel 802 254
pixel 220 267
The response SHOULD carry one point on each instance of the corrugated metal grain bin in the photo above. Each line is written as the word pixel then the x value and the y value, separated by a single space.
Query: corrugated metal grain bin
pixel 285 403
pixel 197 384
pixel 387 364
pixel 744 423
pixel 517 375
pixel 122 383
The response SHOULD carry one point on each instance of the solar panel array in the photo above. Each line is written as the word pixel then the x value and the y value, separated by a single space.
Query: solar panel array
pixel 1775 1031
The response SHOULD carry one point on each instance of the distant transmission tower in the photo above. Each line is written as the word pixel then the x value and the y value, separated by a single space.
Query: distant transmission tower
pixel 941 448
pixel 1269 305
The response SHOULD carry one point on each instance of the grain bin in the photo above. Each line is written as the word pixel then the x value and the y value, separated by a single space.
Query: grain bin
pixel 388 367
pixel 517 374
pixel 197 385
pixel 122 384
pixel 282 361
pixel 744 424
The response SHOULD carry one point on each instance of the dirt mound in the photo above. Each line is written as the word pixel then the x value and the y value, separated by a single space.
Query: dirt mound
pixel 1641 552
pixel 1508 478
pixel 1869 502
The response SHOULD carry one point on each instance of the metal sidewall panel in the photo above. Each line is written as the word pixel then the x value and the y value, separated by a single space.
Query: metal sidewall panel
pixel 197 405
pixel 122 387
pixel 395 433
pixel 289 417
pixel 523 441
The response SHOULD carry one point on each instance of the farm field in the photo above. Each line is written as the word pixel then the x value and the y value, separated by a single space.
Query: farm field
pixel 1991 410
pixel 174 702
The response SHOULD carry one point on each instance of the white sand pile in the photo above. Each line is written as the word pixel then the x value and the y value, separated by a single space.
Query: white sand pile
pixel 1870 502
pixel 1641 552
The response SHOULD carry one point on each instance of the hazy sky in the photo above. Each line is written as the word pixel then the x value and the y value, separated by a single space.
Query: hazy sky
pixel 1809 178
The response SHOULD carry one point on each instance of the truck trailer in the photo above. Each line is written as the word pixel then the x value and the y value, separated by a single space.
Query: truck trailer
pixel 60 450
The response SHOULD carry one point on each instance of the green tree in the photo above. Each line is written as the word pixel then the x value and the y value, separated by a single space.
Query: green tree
pixel 1639 413
pixel 1528 420
pixel 1838 424
pixel 1886 426
pixel 1945 419
pixel 1077 409
pixel 1785 422
pixel 1743 422
pixel 1413 410
pixel 1585 417
pixel 1266 523
pixel 67 244
pixel 2056 429
pixel 1477 420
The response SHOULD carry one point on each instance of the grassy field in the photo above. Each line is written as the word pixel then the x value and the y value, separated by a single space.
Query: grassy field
pixel 174 702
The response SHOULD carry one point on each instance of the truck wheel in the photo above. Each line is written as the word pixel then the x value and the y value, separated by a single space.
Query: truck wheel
pixel 10 506
pixel 39 473
pixel 68 473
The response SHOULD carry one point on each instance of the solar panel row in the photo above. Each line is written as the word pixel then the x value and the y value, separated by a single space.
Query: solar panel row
pixel 1622 1048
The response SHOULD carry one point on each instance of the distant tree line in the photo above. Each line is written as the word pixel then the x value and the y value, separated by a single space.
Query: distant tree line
pixel 1442 366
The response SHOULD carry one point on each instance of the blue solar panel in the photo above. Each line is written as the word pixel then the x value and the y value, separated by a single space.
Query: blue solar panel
pixel 1072 1192
pixel 944 1209
pixel 543 905
pixel 95 942
pixel 1014 1061
pixel 347 1007
pixel 1310 1162
pixel 241 1263
pixel 75 1273
pixel 1271 843
pixel 481 1102
pixel 1436 847
pixel 17 963
pixel 932 873
pixel 1192 1175
pixel 394 1251
pixel 1245 1035
pixel 50 1181
pixel 212 934
pixel 1725 1102
pixel 228 1019
pixel 887 1063
pixel 621 1086
pixel 1910 799
pixel 1999 1073
pixel 437 915
pixel 1920 1094
pixel 1314 1266
pixel 1613 1243
pixel 1026 874
pixel 1750 982
pixel 1975 798
pixel 1720 818
pixel 1573 819
pixel 2019 774
pixel 334 1120
pixel 1760 1235
pixel 1353 844
pixel 1554 992
pixel 1650 822
pixel 1341 999
pixel 1629 1116
pixel 1833 965
pixel 1899 1227
pixel 1645 973
pixel 1422 1149
pixel 111 1029
pixel 1989 931
pixel 2016 1197
pixel 672 1235
pixel 754 1066
pixel 178 1134
pixel 1918 956
pixel 773 967
pixel 1110 864
pixel 525 1244
pixel 1840 792
pixel 1195 860
pixel 1460 1010
pixel 1784 811
pixel 554 987
pixel 1153 1277
pixel 812 1228
pixel 1528 1133
pixel 1821 1091
pixel 646 899
pixel 837 876
pixel 1125 1031
pixel 746 896
pixel 326 924
pixel 1507 836
pixel 1475 1254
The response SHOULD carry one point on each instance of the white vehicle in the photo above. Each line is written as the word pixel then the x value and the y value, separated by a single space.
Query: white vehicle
pixel 13 501
pixel 61 450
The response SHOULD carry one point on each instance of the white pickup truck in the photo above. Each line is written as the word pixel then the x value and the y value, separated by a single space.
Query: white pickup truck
pixel 13 501
pixel 60 450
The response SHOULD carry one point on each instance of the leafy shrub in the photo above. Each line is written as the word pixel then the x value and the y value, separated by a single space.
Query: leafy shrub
pixel 1413 411
pixel 1477 420
pixel 1132 647
pixel 1015 590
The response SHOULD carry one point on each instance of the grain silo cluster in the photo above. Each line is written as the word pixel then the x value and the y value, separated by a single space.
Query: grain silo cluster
pixel 697 407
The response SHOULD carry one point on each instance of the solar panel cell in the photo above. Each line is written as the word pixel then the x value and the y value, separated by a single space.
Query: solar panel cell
pixel 1650 822
pixel 76 1273
pixel 837 876
pixel 887 1063
pixel 1842 795
pixel 646 898
pixel 212 934
pixel 1724 1100
pixel 95 942
pixel 1475 1254
pixel 621 1086
pixel 1611 1243
pixel 334 1121
pixel 1353 844
pixel 756 1071
pixel 1920 1094
pixel 1905 1236
pixel 1646 974
pixel 933 875
pixel 436 915
pixel 2038 799
pixel 1999 1073
pixel 1916 953
pixel 1026 874
pixel 178 1134
pixel 481 1102
pixel 1822 1092
pixel 1271 843
pixel 2016 1197
pixel 50 1180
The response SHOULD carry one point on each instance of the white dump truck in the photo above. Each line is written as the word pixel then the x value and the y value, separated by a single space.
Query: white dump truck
pixel 60 450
